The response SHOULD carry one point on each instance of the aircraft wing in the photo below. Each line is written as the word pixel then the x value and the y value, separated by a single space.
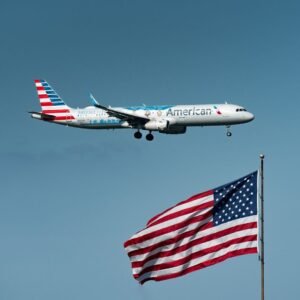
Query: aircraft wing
pixel 130 118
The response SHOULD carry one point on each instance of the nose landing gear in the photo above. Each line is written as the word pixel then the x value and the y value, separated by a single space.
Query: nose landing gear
pixel 228 131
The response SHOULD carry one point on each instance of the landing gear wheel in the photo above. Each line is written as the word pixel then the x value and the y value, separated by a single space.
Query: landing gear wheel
pixel 149 137
pixel 137 135
pixel 228 131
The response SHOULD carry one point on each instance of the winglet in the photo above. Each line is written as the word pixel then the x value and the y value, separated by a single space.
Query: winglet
pixel 94 101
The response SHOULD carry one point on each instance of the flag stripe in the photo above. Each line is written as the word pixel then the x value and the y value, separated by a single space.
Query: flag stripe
pixel 197 261
pixel 194 238
pixel 182 212
pixel 136 250
pixel 199 266
pixel 200 196
pixel 194 247
pixel 175 221
pixel 173 228
pixel 193 254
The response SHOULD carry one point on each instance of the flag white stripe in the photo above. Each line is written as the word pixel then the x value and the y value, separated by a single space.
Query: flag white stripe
pixel 167 235
pixel 38 84
pixel 196 248
pixel 199 260
pixel 190 204
pixel 171 222
pixel 186 240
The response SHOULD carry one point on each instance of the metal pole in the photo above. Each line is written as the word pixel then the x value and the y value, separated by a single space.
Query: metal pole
pixel 262 241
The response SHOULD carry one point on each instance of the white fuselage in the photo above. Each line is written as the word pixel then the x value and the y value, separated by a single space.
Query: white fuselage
pixel 178 115
pixel 169 119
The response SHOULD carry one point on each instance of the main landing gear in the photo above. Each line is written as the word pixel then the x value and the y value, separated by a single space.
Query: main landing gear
pixel 149 136
pixel 137 135
pixel 228 131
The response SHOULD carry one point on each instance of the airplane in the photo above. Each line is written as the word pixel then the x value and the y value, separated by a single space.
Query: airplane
pixel 168 119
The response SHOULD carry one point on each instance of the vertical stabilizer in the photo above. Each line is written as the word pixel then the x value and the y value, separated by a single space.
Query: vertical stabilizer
pixel 51 102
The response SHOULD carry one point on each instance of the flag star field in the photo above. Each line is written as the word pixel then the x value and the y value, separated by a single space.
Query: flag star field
pixel 237 200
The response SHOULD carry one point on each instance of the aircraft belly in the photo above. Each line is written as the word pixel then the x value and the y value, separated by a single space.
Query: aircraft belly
pixel 101 126
pixel 203 121
pixel 103 123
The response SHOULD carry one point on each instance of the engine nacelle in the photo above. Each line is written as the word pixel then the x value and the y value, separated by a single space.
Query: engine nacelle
pixel 174 130
pixel 160 125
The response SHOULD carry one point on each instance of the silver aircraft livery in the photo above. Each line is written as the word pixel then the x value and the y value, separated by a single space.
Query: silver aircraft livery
pixel 169 119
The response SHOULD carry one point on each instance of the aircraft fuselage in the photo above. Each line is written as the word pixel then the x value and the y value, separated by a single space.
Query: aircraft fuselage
pixel 169 119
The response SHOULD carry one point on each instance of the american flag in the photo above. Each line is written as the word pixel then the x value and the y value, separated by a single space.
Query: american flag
pixel 201 231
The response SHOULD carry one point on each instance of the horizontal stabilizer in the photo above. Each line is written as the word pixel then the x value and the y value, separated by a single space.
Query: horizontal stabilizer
pixel 41 116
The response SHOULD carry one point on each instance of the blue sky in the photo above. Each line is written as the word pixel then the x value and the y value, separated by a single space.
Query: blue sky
pixel 71 197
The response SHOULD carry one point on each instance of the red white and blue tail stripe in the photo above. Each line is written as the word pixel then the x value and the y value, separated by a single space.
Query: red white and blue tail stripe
pixel 51 102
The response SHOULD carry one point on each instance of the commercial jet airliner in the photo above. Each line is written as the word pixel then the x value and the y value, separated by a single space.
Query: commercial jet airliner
pixel 169 119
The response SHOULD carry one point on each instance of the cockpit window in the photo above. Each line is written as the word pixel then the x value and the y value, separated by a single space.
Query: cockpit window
pixel 241 109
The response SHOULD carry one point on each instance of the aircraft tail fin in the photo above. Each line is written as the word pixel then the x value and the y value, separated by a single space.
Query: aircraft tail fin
pixel 51 103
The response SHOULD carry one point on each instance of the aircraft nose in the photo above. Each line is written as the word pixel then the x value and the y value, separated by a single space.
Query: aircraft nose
pixel 250 116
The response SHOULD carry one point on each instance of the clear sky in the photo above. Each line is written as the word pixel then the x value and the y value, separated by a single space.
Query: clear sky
pixel 71 197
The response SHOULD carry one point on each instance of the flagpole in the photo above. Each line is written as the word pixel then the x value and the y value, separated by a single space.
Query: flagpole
pixel 262 241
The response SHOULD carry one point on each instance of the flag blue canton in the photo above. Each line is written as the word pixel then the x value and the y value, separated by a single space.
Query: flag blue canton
pixel 237 199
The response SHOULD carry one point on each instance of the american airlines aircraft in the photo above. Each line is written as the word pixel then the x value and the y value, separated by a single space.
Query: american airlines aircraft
pixel 169 119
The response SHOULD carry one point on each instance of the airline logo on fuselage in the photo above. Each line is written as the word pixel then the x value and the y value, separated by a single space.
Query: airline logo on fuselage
pixel 194 111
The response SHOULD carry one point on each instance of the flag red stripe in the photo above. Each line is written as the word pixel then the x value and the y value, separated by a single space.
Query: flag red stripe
pixel 170 241
pixel 192 243
pixel 46 104
pixel 183 212
pixel 195 197
pixel 40 88
pixel 202 265
pixel 168 229
pixel 213 249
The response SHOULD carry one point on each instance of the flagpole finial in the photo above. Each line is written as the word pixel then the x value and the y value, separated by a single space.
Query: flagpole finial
pixel 262 156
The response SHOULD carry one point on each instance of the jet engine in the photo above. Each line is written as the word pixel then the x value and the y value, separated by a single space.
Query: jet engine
pixel 160 125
